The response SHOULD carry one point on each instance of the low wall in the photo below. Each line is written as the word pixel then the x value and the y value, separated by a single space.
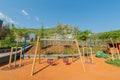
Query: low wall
pixel 28 56
pixel 5 58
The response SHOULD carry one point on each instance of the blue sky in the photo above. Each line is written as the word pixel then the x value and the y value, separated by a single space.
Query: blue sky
pixel 94 15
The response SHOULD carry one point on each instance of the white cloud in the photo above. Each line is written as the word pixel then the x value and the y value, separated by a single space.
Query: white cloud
pixel 25 12
pixel 37 18
pixel 8 19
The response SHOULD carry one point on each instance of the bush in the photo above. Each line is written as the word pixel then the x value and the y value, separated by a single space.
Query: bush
pixel 6 44
pixel 101 55
pixel 113 62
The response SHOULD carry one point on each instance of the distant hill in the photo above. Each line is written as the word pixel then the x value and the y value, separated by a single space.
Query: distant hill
pixel 66 29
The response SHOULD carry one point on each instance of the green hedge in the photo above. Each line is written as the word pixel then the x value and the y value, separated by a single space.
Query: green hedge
pixel 4 44
pixel 101 55
pixel 113 62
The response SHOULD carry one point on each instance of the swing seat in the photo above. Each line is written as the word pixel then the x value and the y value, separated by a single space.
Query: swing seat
pixel 50 61
pixel 87 54
pixel 66 60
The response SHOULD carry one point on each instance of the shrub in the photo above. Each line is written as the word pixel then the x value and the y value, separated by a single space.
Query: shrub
pixel 113 62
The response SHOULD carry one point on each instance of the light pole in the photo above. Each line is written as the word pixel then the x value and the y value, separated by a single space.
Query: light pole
pixel 90 40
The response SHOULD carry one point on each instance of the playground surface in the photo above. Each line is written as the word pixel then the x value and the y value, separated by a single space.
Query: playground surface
pixel 99 70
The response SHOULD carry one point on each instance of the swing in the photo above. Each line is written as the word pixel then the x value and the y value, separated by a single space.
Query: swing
pixel 87 55
pixel 66 60
pixel 50 61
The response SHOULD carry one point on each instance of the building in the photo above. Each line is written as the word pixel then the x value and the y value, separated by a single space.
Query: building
pixel 32 37
pixel 1 22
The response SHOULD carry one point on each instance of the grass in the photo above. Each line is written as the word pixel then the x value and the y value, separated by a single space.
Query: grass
pixel 113 62
pixel 4 44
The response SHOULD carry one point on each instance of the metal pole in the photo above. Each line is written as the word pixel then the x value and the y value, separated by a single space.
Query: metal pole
pixel 24 48
pixel 90 43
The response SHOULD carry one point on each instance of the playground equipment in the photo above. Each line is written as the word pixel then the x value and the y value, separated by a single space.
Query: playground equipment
pixel 66 60
pixel 15 54
pixel 36 51
pixel 22 51
pixel 114 50
pixel 50 61
pixel 80 54
pixel 87 54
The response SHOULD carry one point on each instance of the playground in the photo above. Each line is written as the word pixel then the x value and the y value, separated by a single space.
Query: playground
pixel 86 65
pixel 99 70
pixel 60 40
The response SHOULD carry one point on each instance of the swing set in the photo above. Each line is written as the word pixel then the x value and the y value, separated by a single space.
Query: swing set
pixel 87 55
pixel 65 59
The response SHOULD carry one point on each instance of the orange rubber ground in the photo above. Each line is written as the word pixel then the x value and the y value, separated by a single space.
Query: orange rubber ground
pixel 99 70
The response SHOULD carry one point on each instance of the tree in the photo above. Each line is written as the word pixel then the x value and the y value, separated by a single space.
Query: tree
pixel 42 31
pixel 22 32
pixel 10 37
pixel 75 31
pixel 18 32
pixel 4 31
pixel 60 29
pixel 84 35
pixel 111 34
pixel 63 29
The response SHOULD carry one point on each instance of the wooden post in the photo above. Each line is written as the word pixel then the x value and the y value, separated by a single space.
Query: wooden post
pixel 72 55
pixel 11 53
pixel 39 50
pixel 113 47
pixel 83 54
pixel 36 50
pixel 91 54
pixel 10 57
pixel 20 57
pixel 118 54
pixel 117 51
pixel 77 45
pixel 15 53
